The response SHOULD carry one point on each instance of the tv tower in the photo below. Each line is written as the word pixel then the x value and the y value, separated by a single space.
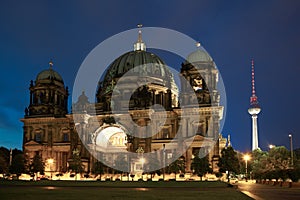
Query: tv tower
pixel 254 110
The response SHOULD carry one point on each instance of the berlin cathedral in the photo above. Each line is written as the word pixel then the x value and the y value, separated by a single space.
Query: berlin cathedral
pixel 101 128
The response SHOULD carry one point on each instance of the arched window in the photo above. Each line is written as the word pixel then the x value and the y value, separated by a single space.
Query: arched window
pixel 38 137
pixel 66 137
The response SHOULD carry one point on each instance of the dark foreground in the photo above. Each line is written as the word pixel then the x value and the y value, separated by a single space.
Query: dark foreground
pixel 44 190
pixel 269 192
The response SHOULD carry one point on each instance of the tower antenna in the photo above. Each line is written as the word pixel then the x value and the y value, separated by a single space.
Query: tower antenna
pixel 253 98
pixel 254 110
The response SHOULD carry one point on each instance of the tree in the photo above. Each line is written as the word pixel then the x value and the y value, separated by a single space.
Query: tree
pixel 229 161
pixel 3 165
pixel 121 164
pixel 153 165
pixel 176 167
pixel 274 164
pixel 76 164
pixel 200 166
pixel 294 173
pixel 279 161
pixel 17 165
pixel 260 163
pixel 4 160
pixel 98 169
pixel 279 158
pixel 37 164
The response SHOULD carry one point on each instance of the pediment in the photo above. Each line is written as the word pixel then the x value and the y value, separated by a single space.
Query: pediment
pixel 198 137
pixel 32 142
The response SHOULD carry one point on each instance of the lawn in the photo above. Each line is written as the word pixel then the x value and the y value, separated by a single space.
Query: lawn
pixel 58 190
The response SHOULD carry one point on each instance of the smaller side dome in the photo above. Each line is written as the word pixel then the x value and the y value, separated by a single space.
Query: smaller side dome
pixel 200 55
pixel 49 74
pixel 82 105
pixel 83 99
pixel 48 95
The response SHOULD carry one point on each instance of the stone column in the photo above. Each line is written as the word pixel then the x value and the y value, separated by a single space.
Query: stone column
pixel 169 99
pixel 136 140
pixel 148 140
pixel 184 127
pixel 154 97
pixel 49 135
pixel 188 159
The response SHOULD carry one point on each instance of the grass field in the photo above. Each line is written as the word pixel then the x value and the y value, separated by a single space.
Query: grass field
pixel 58 190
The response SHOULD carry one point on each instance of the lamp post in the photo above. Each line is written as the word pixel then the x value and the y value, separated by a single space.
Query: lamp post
pixel 291 143
pixel 140 152
pixel 246 158
pixel 164 151
pixel 50 162
pixel 142 160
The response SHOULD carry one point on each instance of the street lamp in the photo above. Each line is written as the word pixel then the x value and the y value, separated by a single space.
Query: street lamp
pixel 50 162
pixel 246 158
pixel 291 143
pixel 271 146
pixel 164 151
pixel 142 160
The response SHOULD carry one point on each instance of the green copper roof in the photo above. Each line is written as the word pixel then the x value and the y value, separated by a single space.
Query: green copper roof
pixel 49 74
pixel 132 59
pixel 200 55
pixel 150 65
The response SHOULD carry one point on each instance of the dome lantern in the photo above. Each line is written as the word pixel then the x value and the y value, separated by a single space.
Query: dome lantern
pixel 139 45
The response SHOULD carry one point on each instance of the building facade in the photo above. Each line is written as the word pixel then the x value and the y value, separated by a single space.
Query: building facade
pixel 156 119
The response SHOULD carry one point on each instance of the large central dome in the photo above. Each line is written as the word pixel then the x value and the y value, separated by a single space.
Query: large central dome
pixel 128 61
pixel 133 61
pixel 141 65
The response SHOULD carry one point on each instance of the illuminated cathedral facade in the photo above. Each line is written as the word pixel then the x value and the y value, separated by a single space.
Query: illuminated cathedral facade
pixel 53 133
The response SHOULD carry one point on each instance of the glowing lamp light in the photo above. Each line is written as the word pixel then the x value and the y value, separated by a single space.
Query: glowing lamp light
pixel 246 157
pixel 50 160
pixel 142 160
pixel 271 146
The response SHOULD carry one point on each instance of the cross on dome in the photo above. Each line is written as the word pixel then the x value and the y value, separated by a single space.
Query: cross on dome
pixel 50 64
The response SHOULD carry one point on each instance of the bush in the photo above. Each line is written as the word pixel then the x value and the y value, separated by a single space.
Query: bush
pixel 219 174
pixel 294 174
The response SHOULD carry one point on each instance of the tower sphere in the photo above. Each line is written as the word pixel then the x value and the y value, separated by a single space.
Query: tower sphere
pixel 254 111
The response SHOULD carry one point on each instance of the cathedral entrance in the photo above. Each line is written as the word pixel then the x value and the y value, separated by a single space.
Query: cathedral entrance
pixel 111 137
pixel 110 146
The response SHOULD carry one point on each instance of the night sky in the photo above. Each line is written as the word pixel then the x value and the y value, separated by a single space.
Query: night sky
pixel 233 32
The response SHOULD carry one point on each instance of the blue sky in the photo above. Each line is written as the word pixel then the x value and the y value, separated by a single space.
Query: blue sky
pixel 233 32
